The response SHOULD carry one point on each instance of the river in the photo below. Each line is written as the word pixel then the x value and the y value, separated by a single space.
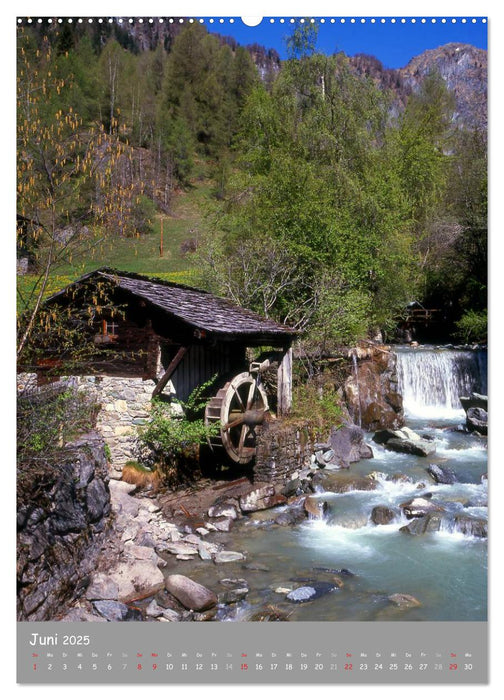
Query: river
pixel 445 571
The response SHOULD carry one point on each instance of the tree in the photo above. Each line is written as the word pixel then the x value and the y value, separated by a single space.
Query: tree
pixel 66 175
pixel 318 183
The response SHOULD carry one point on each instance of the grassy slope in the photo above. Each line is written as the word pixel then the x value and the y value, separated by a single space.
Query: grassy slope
pixel 142 254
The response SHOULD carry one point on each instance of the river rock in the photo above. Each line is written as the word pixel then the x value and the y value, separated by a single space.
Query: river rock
pixel 442 475
pixel 304 594
pixel 225 557
pixel 292 488
pixel 135 578
pixel 472 527
pixel 419 526
pixel 170 615
pixel 421 448
pixel 290 517
pixel 347 446
pixel 405 440
pixel 114 611
pixel 204 553
pixel 338 482
pixel 419 507
pixel 381 436
pixel 102 588
pixel 191 594
pixel 261 499
pixel 234 582
pixel 477 420
pixel 205 616
pixel 404 600
pixel 270 613
pixel 474 401
pixel 233 596
pixel 223 524
pixel 315 507
pixel 382 515
pixel 154 609
pixel 181 548
pixel 223 510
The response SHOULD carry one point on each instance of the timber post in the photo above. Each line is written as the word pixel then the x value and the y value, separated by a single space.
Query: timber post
pixel 284 395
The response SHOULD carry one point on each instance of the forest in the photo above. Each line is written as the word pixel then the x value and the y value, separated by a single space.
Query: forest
pixel 327 206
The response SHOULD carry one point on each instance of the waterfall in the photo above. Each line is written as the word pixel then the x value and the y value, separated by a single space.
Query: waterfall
pixel 355 369
pixel 431 380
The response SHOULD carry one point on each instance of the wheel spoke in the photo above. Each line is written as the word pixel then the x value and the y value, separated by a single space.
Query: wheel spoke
pixel 237 394
pixel 250 397
pixel 243 436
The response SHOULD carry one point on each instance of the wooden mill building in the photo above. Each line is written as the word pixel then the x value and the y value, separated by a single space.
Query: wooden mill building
pixel 165 339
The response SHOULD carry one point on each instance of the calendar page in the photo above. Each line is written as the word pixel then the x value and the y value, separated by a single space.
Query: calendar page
pixel 252 397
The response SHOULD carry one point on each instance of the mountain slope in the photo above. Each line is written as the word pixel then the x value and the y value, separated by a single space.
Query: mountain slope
pixel 464 70
pixel 462 66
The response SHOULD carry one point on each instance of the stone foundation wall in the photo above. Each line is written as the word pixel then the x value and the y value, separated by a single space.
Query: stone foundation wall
pixel 63 514
pixel 283 447
pixel 125 404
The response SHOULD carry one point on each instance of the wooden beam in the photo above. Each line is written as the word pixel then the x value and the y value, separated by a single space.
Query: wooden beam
pixel 284 392
pixel 170 370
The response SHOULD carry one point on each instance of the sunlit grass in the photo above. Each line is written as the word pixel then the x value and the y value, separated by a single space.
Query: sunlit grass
pixel 140 255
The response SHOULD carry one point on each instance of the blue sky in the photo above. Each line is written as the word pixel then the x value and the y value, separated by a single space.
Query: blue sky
pixel 393 43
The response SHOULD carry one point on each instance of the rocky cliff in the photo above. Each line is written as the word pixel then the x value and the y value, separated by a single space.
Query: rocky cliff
pixel 62 518
pixel 371 391
pixel 463 68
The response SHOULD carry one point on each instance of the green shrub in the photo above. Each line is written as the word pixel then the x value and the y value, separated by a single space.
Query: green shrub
pixel 170 444
pixel 473 326
pixel 319 402
pixel 49 418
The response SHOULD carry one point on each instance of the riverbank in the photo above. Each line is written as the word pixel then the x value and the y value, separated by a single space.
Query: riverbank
pixel 350 549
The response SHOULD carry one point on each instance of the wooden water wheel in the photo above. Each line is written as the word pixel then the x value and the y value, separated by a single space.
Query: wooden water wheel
pixel 240 406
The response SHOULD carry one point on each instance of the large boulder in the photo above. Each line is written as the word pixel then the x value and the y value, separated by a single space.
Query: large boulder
pixel 137 579
pixel 347 445
pixel 382 515
pixel 261 498
pixel 191 594
pixel 406 441
pixel 474 401
pixel 477 420
pixel 419 526
pixel 441 475
pixel 371 390
pixel 420 507
pixel 433 522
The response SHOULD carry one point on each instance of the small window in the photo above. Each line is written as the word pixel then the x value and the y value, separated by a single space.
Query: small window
pixel 110 328
pixel 109 332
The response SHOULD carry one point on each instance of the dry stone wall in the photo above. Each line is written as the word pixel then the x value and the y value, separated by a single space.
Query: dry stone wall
pixel 283 447
pixel 125 405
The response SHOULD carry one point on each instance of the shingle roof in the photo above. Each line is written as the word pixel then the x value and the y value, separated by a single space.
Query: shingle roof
pixel 195 307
